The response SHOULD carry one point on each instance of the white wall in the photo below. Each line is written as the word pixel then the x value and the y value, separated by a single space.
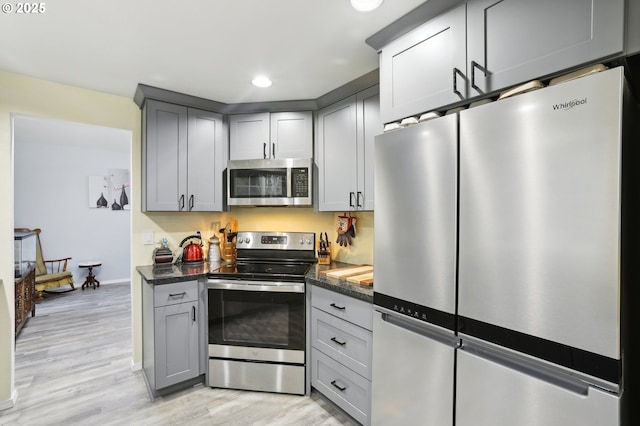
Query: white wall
pixel 52 160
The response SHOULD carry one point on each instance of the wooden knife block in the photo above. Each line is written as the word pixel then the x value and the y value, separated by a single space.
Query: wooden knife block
pixel 324 256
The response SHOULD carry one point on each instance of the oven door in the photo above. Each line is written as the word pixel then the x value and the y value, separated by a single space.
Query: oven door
pixel 256 321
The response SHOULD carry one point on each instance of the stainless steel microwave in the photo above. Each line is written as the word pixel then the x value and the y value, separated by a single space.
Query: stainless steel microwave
pixel 269 182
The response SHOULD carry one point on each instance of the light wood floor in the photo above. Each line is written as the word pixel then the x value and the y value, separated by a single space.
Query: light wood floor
pixel 73 366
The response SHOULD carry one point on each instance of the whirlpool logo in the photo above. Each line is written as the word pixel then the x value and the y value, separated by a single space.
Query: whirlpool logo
pixel 566 106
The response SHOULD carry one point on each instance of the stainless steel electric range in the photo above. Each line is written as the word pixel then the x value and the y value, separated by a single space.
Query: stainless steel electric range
pixel 257 313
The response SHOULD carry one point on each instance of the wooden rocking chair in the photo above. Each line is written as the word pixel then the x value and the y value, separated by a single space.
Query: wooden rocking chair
pixel 49 273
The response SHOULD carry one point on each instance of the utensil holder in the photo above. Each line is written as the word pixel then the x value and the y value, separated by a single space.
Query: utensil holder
pixel 324 256
pixel 228 251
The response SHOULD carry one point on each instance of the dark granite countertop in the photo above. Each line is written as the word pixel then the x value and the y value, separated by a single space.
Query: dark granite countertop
pixel 173 273
pixel 338 285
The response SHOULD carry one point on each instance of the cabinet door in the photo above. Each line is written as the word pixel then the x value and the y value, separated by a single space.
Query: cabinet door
pixel 249 135
pixel 291 135
pixel 518 40
pixel 177 346
pixel 425 68
pixel 336 155
pixel 165 157
pixel 370 125
pixel 206 161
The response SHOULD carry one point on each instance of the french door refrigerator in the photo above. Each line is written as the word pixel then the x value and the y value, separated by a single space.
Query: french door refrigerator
pixel 528 239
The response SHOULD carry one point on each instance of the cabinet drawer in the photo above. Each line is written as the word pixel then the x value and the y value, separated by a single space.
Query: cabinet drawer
pixel 170 294
pixel 341 306
pixel 348 390
pixel 345 342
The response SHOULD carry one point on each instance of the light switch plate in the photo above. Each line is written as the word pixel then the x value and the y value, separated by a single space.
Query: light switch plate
pixel 147 237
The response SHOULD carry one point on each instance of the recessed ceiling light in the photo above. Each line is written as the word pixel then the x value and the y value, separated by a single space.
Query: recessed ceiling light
pixel 365 5
pixel 261 81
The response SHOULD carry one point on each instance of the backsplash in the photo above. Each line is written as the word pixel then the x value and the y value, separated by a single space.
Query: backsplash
pixel 176 226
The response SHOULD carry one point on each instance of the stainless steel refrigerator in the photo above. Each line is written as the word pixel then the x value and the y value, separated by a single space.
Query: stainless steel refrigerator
pixel 523 231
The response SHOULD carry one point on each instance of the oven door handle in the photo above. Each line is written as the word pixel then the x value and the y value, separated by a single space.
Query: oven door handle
pixel 256 286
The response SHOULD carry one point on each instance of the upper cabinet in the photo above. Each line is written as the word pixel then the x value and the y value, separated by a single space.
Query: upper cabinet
pixel 484 46
pixel 184 156
pixel 345 152
pixel 271 135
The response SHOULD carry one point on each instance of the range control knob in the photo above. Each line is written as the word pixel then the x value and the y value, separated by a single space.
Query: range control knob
pixel 308 241
pixel 301 242
pixel 247 240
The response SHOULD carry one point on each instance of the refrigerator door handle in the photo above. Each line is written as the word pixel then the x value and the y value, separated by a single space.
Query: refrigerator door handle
pixel 422 328
pixel 529 367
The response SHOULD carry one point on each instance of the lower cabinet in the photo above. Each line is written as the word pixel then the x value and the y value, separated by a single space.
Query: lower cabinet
pixel 341 341
pixel 172 338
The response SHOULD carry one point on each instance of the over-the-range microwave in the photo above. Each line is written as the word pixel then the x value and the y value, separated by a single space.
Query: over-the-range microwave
pixel 269 182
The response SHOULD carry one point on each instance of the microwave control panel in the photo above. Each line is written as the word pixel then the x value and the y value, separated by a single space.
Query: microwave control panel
pixel 300 182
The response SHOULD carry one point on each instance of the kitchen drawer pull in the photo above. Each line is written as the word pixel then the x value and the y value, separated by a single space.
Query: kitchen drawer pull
pixel 337 386
pixel 341 308
pixel 184 293
pixel 333 339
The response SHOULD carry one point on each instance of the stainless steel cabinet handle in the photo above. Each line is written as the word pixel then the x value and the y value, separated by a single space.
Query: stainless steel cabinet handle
pixel 456 71
pixel 340 388
pixel 184 293
pixel 358 198
pixel 333 339
pixel 273 150
pixel 181 202
pixel 191 202
pixel 193 310
pixel 351 199
pixel 264 150
pixel 341 308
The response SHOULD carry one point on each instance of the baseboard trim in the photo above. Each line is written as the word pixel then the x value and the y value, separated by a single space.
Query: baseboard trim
pixel 116 281
pixel 9 403
pixel 136 366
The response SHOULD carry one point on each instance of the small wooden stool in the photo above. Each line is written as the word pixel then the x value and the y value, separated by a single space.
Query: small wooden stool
pixel 91 279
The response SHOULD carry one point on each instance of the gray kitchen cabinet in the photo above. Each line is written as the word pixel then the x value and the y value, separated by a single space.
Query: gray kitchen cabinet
pixel 426 68
pixel 271 135
pixel 483 46
pixel 173 345
pixel 184 156
pixel 345 152
pixel 341 340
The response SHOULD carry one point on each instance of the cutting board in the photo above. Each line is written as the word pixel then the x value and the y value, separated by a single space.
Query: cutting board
pixel 348 271
pixel 364 279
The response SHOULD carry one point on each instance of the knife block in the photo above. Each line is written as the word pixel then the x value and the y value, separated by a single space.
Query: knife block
pixel 324 256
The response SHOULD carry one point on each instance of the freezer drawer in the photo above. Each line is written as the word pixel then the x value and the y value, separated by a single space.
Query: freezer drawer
pixel 413 376
pixel 492 394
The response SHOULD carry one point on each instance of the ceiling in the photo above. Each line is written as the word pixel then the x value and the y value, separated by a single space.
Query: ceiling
pixel 206 48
